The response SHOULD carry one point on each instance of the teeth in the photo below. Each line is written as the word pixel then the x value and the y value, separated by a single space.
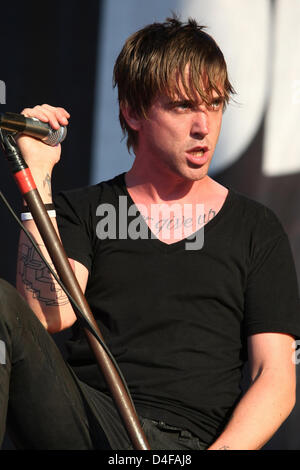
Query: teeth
pixel 198 154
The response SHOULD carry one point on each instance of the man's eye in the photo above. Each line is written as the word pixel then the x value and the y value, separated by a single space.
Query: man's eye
pixel 183 104
pixel 216 104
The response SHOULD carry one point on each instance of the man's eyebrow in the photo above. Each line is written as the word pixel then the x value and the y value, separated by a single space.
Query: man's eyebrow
pixel 193 102
pixel 182 100
pixel 178 100
pixel 209 98
pixel 216 96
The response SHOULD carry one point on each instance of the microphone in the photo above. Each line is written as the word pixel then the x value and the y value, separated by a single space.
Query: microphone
pixel 33 127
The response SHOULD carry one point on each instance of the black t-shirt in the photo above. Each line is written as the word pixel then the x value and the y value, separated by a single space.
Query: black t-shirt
pixel 177 320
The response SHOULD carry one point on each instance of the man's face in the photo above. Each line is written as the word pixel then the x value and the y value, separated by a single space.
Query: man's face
pixel 180 135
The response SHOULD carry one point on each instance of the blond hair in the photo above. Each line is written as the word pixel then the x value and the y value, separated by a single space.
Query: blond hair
pixel 154 60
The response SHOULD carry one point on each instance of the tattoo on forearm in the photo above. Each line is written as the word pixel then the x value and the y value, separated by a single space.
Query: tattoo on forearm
pixel 224 448
pixel 47 183
pixel 37 278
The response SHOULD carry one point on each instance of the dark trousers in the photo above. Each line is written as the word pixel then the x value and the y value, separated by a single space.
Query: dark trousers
pixel 38 395
pixel 43 404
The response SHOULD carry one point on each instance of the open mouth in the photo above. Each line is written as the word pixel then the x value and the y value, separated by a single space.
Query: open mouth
pixel 198 155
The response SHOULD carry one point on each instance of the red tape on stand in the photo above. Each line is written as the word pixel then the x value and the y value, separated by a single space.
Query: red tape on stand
pixel 25 180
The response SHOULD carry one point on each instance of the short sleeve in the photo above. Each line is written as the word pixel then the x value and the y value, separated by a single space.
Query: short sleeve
pixel 72 213
pixel 272 293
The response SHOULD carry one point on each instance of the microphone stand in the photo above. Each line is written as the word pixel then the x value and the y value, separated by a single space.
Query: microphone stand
pixel 28 189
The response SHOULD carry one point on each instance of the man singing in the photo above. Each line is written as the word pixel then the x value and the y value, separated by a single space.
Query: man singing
pixel 183 299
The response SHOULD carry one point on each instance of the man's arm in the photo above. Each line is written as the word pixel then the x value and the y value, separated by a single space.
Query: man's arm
pixel 34 280
pixel 39 288
pixel 270 397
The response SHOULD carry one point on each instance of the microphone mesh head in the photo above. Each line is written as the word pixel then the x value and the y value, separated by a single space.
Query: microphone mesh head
pixel 55 137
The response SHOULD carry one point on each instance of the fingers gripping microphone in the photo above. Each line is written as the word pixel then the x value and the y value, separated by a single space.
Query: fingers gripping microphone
pixel 32 127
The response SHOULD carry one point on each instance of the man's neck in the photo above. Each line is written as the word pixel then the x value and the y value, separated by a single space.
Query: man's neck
pixel 165 187
pixel 150 189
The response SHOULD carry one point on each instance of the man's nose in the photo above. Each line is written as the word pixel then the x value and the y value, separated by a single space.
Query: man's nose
pixel 199 125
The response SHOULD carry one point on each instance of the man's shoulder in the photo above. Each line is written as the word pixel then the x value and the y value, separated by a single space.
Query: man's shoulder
pixel 248 206
pixel 251 205
pixel 90 193
pixel 258 216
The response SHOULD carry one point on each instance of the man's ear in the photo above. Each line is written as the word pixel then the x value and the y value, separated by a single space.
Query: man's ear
pixel 130 117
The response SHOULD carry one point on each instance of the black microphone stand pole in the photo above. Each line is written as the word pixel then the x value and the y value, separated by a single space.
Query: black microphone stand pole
pixel 56 251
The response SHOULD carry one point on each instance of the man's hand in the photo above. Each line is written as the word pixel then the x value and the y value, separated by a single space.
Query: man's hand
pixel 40 157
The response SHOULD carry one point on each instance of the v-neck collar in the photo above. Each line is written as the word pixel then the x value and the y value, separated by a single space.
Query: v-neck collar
pixel 169 247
